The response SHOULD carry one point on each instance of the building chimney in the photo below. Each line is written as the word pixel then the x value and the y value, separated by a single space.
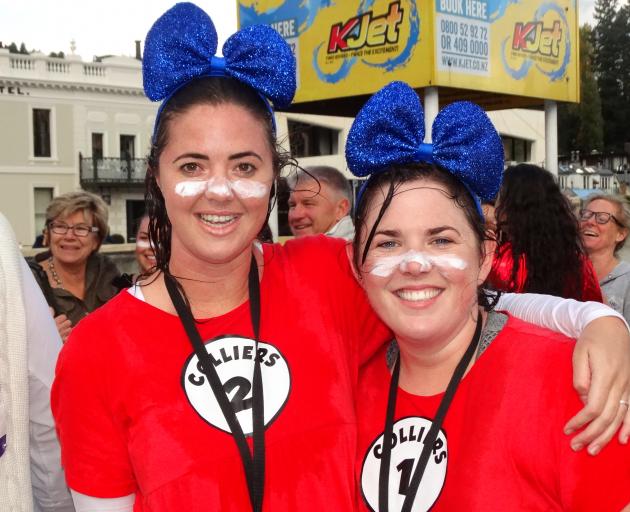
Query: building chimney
pixel 138 50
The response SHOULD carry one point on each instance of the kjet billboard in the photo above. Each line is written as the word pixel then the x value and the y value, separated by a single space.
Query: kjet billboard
pixel 352 47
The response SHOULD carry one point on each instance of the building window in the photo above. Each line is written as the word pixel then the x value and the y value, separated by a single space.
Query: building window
pixel 41 132
pixel 97 146
pixel 517 150
pixel 312 140
pixel 127 147
pixel 42 197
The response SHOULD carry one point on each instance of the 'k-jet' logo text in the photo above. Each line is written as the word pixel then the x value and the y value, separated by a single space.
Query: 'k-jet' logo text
pixel 543 42
pixel 366 30
pixel 533 37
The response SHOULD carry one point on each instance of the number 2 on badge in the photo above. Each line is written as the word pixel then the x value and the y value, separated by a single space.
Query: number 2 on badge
pixel 243 387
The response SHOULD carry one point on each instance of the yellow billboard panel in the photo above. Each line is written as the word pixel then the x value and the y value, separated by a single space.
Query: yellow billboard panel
pixel 349 47
pixel 524 48
pixel 517 47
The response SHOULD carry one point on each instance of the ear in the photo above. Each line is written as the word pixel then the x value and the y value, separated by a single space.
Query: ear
pixel 342 209
pixel 156 176
pixel 486 264
pixel 621 235
pixel 350 255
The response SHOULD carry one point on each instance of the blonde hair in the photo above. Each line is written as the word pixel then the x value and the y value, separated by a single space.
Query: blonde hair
pixel 80 201
pixel 623 216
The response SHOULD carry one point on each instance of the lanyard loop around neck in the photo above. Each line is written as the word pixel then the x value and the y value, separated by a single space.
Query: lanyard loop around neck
pixel 434 430
pixel 253 464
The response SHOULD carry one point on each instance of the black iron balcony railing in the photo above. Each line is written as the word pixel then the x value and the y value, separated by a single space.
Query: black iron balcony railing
pixel 112 171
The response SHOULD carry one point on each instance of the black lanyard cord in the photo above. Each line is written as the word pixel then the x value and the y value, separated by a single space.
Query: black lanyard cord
pixel 253 465
pixel 429 440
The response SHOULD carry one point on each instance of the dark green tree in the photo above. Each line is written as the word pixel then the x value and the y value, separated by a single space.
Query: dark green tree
pixel 23 49
pixel 608 40
pixel 580 126
pixel 622 23
pixel 13 48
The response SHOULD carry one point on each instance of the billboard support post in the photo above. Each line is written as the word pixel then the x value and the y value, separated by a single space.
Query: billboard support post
pixel 431 108
pixel 551 137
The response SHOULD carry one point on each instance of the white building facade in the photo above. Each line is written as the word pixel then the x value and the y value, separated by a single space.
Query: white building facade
pixel 66 124
pixel 54 112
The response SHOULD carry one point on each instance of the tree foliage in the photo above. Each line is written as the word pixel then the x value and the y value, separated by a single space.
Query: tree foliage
pixel 581 125
pixel 610 39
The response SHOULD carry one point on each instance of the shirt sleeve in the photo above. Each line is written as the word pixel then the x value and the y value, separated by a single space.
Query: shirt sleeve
pixel 84 503
pixel 566 316
pixel 366 327
pixel 90 424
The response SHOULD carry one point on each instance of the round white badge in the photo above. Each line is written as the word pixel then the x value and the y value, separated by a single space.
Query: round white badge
pixel 407 443
pixel 233 359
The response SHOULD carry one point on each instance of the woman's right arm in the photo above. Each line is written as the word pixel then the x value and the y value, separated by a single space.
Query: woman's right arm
pixel 86 401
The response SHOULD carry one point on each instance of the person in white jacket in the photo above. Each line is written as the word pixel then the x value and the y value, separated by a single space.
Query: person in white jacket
pixel 31 477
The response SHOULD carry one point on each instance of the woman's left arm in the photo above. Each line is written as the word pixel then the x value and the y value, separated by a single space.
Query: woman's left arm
pixel 601 361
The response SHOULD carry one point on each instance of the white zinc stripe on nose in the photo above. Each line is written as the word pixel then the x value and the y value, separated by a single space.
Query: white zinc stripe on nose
pixel 223 188
pixel 386 266
pixel 219 187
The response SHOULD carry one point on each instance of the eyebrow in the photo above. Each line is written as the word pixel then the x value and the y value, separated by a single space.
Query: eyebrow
pixel 432 231
pixel 243 154
pixel 388 232
pixel 235 156
pixel 439 229
pixel 198 156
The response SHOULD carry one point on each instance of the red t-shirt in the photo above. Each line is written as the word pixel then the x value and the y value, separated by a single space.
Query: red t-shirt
pixel 501 446
pixel 134 414
pixel 500 277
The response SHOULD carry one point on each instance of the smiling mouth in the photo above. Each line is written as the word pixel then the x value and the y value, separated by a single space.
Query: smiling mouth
pixel 218 220
pixel 590 233
pixel 418 295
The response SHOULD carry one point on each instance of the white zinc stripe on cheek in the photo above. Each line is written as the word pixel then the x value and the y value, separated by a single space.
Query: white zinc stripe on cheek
pixel 448 261
pixel 144 244
pixel 190 188
pixel 386 266
pixel 249 189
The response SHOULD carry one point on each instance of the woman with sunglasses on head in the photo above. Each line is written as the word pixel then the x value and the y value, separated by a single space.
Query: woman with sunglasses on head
pixel 73 276
pixel 226 379
pixel 604 229
pixel 465 411
pixel 539 248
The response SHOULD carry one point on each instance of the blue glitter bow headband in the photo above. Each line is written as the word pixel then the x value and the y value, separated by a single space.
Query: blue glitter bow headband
pixel 182 46
pixel 389 131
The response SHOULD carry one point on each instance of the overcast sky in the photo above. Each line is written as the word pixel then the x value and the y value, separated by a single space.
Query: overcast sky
pixel 102 27
pixel 99 27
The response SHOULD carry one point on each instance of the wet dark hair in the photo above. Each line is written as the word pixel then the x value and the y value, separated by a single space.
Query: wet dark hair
pixel 216 90
pixel 391 181
pixel 536 219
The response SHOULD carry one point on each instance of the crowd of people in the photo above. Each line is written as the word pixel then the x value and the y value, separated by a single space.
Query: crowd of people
pixel 397 358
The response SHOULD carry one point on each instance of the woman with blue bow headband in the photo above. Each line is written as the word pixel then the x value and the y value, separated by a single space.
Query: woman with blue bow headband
pixel 226 379
pixel 471 401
